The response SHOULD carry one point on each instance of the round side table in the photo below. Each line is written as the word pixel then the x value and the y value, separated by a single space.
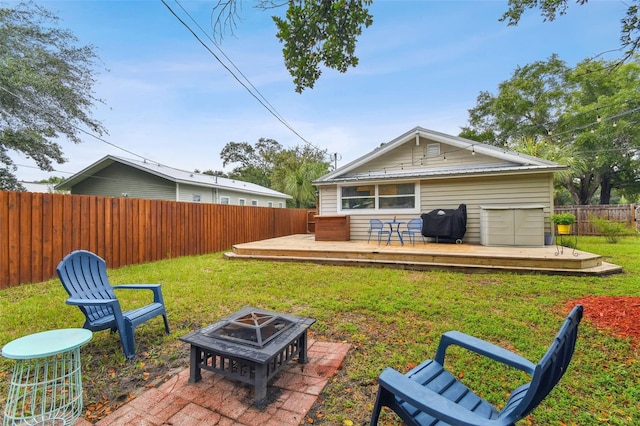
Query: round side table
pixel 46 385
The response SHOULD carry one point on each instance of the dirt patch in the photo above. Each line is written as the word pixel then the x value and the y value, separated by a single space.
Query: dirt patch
pixel 619 315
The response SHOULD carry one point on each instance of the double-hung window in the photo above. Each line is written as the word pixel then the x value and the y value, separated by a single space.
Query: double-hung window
pixel 388 197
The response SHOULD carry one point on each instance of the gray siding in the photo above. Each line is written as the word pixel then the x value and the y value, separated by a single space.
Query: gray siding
pixel 449 193
pixel 408 156
pixel 328 200
pixel 187 193
pixel 118 179
pixel 263 201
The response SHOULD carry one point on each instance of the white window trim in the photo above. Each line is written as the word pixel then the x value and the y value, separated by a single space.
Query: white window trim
pixel 242 202
pixel 377 210
pixel 254 202
pixel 280 204
pixel 269 203
pixel 224 197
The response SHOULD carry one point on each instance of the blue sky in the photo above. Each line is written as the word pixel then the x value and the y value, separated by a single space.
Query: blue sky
pixel 422 63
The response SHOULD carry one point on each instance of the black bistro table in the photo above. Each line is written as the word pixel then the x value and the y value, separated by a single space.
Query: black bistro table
pixel 251 346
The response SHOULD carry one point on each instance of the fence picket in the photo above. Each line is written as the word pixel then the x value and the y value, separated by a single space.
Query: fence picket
pixel 37 230
pixel 624 213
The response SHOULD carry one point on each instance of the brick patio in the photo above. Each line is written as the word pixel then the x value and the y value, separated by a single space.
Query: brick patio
pixel 217 400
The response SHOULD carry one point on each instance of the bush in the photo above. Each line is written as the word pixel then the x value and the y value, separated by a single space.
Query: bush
pixel 563 218
pixel 611 230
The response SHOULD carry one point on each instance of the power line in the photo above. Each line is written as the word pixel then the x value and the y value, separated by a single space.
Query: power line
pixel 37 109
pixel 272 108
pixel 262 101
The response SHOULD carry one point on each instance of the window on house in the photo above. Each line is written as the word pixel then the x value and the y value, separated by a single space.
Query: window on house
pixel 358 197
pixel 254 202
pixel 270 204
pixel 391 196
pixel 196 198
pixel 280 204
pixel 242 201
pixel 225 200
pixel 397 196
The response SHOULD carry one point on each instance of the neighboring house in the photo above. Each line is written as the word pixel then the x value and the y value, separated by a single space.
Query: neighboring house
pixel 47 188
pixel 121 177
pixel 509 196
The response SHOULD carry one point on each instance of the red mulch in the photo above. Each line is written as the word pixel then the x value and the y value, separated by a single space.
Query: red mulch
pixel 619 315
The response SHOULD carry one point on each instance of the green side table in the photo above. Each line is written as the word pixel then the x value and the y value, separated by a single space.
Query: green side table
pixel 46 385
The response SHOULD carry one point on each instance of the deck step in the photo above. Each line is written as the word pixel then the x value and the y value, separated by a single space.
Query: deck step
pixel 600 270
pixel 468 257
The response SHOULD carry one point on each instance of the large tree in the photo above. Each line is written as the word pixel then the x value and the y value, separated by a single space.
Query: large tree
pixel 254 163
pixel 319 33
pixel 295 169
pixel 601 122
pixel 585 115
pixel 315 33
pixel 550 9
pixel 271 165
pixel 46 81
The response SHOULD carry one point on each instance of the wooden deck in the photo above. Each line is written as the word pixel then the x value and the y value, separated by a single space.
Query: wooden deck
pixel 429 256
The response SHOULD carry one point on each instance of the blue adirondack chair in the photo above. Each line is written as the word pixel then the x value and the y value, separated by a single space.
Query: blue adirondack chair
pixel 84 276
pixel 414 227
pixel 429 395
pixel 376 225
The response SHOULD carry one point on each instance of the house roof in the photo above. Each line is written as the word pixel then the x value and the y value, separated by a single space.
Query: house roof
pixel 171 174
pixel 38 187
pixel 511 161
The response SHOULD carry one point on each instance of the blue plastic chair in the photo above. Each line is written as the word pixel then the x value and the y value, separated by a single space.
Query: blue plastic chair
pixel 376 225
pixel 84 276
pixel 429 395
pixel 414 226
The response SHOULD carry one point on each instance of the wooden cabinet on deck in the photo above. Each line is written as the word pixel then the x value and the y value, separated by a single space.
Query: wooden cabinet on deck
pixel 333 228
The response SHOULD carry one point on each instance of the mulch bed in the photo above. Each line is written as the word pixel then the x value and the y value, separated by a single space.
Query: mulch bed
pixel 619 315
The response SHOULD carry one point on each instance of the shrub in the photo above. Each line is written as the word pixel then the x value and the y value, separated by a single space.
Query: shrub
pixel 612 230
pixel 563 218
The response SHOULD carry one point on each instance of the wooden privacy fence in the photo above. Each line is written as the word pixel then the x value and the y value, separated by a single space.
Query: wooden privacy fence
pixel 38 230
pixel 625 213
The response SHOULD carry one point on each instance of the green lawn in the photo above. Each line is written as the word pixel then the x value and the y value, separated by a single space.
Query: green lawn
pixel 390 317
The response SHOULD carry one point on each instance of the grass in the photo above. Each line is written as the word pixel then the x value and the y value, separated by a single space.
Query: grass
pixel 390 317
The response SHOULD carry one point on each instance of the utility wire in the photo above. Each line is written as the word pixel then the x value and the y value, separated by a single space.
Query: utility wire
pixel 271 107
pixel 262 102
pixel 35 108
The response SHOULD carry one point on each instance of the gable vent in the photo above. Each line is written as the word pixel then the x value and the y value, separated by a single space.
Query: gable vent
pixel 433 150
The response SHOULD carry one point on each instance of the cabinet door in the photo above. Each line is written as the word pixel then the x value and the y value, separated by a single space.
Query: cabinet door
pixel 529 227
pixel 498 228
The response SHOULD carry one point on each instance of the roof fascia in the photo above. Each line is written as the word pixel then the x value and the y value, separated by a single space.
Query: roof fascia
pixel 85 173
pixel 399 178
pixel 108 160
pixel 455 141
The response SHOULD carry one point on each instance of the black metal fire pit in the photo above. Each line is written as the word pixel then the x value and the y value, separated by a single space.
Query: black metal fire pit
pixel 255 328
pixel 251 346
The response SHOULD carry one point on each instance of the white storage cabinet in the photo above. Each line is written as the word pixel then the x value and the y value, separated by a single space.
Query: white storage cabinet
pixel 512 225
